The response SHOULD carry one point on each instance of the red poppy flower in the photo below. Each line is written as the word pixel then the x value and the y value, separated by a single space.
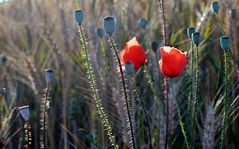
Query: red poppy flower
pixel 134 53
pixel 172 62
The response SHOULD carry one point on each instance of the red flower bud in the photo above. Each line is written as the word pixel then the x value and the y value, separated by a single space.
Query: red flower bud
pixel 134 53
pixel 172 62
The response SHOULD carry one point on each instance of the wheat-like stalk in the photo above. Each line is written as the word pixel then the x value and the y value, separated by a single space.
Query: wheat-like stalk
pixel 208 138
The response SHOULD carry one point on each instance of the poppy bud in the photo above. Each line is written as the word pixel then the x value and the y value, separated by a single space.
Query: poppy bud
pixel 49 75
pixel 25 113
pixel 143 23
pixel 215 6
pixel 79 16
pixel 196 38
pixel 225 42
pixel 99 32
pixel 3 58
pixel 129 68
pixel 190 30
pixel 109 24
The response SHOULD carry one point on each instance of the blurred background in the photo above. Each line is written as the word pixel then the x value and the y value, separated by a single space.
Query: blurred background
pixel 40 34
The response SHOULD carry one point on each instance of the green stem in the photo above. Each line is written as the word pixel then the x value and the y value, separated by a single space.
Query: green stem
pixel 195 97
pixel 45 115
pixel 180 118
pixel 190 98
pixel 219 21
pixel 192 78
pixel 99 106
pixel 225 100
pixel 124 89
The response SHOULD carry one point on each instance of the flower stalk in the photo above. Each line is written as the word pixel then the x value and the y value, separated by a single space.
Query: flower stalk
pixel 111 42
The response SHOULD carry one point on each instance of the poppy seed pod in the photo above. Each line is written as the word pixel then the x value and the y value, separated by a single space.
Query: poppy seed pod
pixel 109 24
pixel 196 38
pixel 79 16
pixel 190 30
pixel 49 75
pixel 143 23
pixel 99 32
pixel 25 113
pixel 129 68
pixel 225 42
pixel 215 6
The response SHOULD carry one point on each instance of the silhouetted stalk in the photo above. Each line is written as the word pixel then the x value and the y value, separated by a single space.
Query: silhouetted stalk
pixel 145 112
pixel 111 42
pixel 164 30
pixel 97 100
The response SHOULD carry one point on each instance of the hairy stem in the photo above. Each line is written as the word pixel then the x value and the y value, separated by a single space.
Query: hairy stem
pixel 97 100
pixel 225 100
pixel 161 3
pixel 195 98
pixel 124 89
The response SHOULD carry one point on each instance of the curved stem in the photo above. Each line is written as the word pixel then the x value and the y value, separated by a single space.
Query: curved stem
pixel 124 89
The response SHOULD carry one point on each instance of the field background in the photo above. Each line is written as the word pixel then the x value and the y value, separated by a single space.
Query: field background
pixel 38 34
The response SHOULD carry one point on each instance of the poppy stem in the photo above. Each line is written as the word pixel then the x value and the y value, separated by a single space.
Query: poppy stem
pixel 191 98
pixel 166 102
pixel 225 100
pixel 195 96
pixel 45 117
pixel 124 90
pixel 92 82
